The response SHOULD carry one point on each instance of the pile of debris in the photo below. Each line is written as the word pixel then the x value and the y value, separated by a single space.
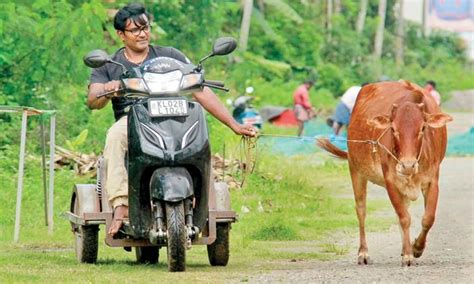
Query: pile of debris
pixel 81 163
pixel 227 170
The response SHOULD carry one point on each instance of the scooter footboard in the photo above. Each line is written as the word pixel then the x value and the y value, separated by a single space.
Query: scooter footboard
pixel 171 184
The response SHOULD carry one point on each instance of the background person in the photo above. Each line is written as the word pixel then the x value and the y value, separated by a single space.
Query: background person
pixel 303 109
pixel 133 26
pixel 430 86
pixel 343 111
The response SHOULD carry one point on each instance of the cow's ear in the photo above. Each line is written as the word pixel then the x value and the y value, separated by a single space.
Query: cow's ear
pixel 381 121
pixel 437 120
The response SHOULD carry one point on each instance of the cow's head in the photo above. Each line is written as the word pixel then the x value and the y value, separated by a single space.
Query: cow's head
pixel 407 124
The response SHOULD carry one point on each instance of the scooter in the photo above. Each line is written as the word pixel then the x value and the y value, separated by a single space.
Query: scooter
pixel 244 112
pixel 173 201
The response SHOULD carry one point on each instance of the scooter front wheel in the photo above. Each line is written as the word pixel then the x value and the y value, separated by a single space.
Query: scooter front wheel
pixel 176 228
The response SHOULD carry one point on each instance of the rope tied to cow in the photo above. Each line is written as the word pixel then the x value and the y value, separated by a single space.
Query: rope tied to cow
pixel 374 143
pixel 249 150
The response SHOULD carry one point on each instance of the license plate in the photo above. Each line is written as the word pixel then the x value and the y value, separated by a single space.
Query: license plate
pixel 175 107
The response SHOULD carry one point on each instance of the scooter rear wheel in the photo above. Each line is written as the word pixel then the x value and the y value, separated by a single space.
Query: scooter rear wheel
pixel 147 254
pixel 176 229
pixel 218 251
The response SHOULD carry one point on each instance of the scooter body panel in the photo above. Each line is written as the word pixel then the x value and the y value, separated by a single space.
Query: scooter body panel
pixel 167 142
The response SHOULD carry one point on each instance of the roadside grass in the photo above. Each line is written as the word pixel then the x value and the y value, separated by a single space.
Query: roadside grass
pixel 289 209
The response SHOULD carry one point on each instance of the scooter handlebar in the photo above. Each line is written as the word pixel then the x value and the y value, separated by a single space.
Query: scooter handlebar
pixel 108 94
pixel 215 83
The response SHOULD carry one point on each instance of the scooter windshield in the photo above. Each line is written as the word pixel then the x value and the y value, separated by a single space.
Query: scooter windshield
pixel 163 65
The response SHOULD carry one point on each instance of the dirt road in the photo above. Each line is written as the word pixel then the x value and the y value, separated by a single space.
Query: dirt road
pixel 448 258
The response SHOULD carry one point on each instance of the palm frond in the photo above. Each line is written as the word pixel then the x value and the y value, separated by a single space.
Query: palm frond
pixel 285 9
pixel 260 20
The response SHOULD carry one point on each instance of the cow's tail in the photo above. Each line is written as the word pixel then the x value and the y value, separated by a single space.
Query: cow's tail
pixel 327 146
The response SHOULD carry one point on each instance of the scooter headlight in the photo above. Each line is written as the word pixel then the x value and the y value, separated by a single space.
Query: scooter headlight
pixel 135 84
pixel 190 80
pixel 163 83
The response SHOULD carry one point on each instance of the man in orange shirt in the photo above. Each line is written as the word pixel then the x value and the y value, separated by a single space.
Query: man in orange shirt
pixel 303 109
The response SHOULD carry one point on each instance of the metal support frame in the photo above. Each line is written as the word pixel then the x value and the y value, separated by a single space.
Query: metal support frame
pixel 48 192
pixel 21 166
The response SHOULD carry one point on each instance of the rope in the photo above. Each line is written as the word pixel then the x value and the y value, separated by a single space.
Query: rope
pixel 249 150
pixel 248 156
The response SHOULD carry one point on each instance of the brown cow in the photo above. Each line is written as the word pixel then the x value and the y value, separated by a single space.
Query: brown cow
pixel 396 139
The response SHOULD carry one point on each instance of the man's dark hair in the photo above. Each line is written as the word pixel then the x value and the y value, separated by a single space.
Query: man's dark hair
pixel 432 83
pixel 133 12
pixel 309 82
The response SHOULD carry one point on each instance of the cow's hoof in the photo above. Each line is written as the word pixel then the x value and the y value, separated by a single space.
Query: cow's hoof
pixel 408 260
pixel 417 252
pixel 364 259
pixel 417 249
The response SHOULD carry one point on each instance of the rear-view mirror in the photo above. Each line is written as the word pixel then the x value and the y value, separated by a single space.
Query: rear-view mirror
pixel 224 46
pixel 96 58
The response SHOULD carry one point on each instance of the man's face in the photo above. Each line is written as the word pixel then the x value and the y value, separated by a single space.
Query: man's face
pixel 136 37
pixel 429 87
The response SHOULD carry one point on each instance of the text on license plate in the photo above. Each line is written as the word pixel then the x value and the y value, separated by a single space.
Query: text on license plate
pixel 178 107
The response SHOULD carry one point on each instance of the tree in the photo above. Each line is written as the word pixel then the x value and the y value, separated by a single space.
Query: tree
pixel 400 35
pixel 361 16
pixel 245 25
pixel 329 18
pixel 378 43
pixel 337 7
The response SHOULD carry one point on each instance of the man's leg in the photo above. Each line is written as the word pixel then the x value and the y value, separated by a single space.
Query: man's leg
pixel 336 127
pixel 300 127
pixel 116 145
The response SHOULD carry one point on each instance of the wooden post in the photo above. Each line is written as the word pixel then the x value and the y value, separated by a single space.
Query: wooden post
pixel 21 166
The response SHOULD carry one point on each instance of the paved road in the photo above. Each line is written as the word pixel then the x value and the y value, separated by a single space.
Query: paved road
pixel 448 257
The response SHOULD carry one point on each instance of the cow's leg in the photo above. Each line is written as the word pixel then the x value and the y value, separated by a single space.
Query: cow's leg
pixel 400 204
pixel 359 184
pixel 431 199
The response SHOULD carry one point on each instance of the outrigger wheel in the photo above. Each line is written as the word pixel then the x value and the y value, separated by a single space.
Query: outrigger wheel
pixel 218 251
pixel 86 237
pixel 147 254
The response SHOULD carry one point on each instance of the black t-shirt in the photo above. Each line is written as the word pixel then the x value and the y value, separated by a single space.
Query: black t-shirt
pixel 111 71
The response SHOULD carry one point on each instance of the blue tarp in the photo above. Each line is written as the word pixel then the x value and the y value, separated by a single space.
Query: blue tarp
pixel 303 145
pixel 457 145
pixel 462 144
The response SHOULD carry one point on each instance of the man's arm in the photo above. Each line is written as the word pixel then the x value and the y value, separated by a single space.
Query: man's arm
pixel 213 105
pixel 96 89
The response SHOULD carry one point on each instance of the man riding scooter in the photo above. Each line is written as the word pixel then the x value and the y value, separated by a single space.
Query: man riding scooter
pixel 133 27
